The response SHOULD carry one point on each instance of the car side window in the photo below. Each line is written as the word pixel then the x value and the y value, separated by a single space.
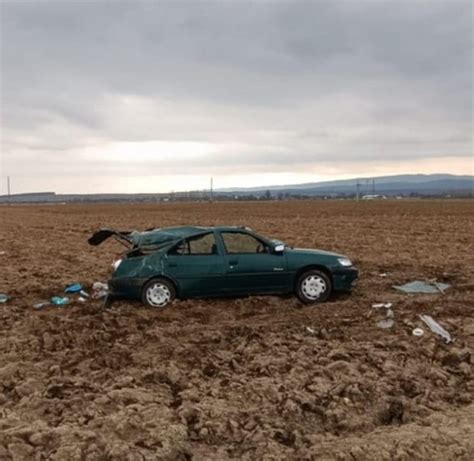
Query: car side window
pixel 238 242
pixel 201 245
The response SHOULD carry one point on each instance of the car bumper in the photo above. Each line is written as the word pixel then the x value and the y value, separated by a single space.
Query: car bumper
pixel 126 287
pixel 343 279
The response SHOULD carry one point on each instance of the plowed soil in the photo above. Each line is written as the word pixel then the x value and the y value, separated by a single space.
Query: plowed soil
pixel 249 378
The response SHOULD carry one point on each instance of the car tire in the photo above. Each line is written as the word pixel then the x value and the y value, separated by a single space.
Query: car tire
pixel 158 293
pixel 314 286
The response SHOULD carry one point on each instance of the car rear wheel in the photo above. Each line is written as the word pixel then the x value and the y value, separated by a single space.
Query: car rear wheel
pixel 158 293
pixel 313 286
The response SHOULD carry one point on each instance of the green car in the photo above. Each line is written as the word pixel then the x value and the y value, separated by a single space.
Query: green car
pixel 185 262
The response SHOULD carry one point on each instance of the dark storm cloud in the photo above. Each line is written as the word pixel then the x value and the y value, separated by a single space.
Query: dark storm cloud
pixel 290 84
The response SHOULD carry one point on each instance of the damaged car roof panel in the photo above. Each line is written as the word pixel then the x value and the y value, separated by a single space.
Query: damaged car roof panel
pixel 147 238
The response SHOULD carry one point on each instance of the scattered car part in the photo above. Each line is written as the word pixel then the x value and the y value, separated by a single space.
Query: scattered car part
pixel 418 332
pixel 385 305
pixel 73 288
pixel 219 261
pixel 59 300
pixel 40 305
pixel 436 328
pixel 422 287
pixel 99 290
pixel 4 298
pixel 385 323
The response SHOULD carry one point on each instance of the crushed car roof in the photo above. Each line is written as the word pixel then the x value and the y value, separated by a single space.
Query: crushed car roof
pixel 152 237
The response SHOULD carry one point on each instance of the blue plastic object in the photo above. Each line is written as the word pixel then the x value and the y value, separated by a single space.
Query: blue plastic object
pixel 73 288
pixel 59 300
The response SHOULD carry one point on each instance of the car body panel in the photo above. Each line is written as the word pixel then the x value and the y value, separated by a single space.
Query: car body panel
pixel 257 273
pixel 220 273
pixel 195 274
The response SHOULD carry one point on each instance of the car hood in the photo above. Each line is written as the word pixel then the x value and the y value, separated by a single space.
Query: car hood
pixel 314 252
pixel 151 238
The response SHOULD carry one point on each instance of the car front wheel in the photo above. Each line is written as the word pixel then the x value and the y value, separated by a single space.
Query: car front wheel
pixel 158 293
pixel 313 286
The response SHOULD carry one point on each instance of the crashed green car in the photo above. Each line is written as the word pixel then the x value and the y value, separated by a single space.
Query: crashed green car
pixel 185 262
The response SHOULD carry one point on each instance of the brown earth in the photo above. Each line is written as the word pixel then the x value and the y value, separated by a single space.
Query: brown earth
pixel 239 378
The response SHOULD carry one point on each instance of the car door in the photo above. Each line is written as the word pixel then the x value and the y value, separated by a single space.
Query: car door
pixel 252 266
pixel 197 265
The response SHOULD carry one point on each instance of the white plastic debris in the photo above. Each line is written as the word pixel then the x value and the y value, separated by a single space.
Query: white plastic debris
pixel 40 305
pixel 436 328
pixel 310 330
pixel 379 305
pixel 99 290
pixel 418 332
pixel 386 323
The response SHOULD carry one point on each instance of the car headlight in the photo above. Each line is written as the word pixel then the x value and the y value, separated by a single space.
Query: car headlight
pixel 344 262
pixel 116 264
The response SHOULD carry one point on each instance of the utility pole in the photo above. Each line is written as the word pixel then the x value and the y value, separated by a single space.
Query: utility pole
pixel 8 188
pixel 358 190
pixel 212 189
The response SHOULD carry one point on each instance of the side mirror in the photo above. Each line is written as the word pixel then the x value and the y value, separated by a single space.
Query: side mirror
pixel 280 248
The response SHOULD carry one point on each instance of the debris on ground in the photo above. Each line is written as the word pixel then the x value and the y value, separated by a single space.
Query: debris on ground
pixel 59 300
pixel 4 298
pixel 436 328
pixel 311 330
pixel 40 305
pixel 84 294
pixel 418 332
pixel 383 274
pixel 419 286
pixel 385 323
pixel 99 290
pixel 73 288
pixel 388 321
pixel 379 305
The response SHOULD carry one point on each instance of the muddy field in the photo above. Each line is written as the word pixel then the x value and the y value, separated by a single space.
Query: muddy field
pixel 239 378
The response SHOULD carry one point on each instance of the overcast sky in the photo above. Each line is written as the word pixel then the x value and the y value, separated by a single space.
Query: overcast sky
pixel 157 96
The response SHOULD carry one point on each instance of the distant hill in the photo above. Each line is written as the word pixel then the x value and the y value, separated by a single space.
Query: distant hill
pixel 430 183
pixel 390 186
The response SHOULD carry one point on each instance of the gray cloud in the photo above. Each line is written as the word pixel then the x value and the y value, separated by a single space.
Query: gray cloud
pixel 277 86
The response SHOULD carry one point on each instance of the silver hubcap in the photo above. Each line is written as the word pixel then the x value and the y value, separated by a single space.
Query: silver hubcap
pixel 158 295
pixel 313 286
